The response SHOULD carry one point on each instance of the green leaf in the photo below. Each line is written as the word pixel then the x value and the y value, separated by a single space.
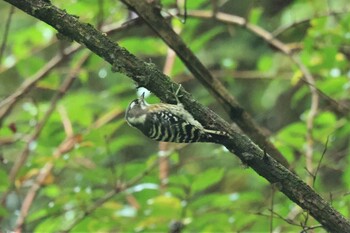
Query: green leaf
pixel 51 224
pixel 265 63
pixel 180 180
pixel 206 179
pixel 52 191
pixel 3 212
pixel 4 181
pixel 255 15
pixel 215 200
pixel 293 135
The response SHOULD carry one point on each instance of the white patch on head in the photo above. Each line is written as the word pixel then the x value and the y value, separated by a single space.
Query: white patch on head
pixel 137 120
pixel 142 90
pixel 133 103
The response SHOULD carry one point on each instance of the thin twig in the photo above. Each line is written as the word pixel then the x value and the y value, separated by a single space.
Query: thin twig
pixel 284 28
pixel 278 216
pixel 272 206
pixel 269 38
pixel 100 14
pixel 310 118
pixel 319 162
pixel 25 153
pixel 121 188
pixel 6 31
pixel 237 20
pixel 8 103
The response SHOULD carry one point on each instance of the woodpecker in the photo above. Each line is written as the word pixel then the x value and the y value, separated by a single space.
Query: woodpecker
pixel 169 122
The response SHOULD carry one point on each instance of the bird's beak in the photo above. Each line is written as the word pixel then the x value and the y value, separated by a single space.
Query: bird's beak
pixel 142 97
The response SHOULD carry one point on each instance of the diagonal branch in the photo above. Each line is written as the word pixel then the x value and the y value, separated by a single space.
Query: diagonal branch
pixel 66 145
pixel 147 75
pixel 270 38
pixel 151 15
pixel 9 102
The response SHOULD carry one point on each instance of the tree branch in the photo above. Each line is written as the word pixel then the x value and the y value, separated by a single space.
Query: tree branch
pixel 9 102
pixel 66 145
pixel 151 14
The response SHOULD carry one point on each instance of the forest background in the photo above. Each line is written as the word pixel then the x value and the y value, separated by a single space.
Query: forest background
pixel 277 71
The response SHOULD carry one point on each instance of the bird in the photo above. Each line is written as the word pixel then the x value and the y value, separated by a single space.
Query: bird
pixel 169 122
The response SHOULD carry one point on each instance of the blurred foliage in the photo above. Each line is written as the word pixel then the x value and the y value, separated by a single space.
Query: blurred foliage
pixel 202 186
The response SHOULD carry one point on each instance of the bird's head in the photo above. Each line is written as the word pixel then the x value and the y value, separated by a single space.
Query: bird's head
pixel 137 111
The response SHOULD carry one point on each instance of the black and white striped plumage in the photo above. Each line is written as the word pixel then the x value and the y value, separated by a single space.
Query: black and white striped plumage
pixel 168 123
